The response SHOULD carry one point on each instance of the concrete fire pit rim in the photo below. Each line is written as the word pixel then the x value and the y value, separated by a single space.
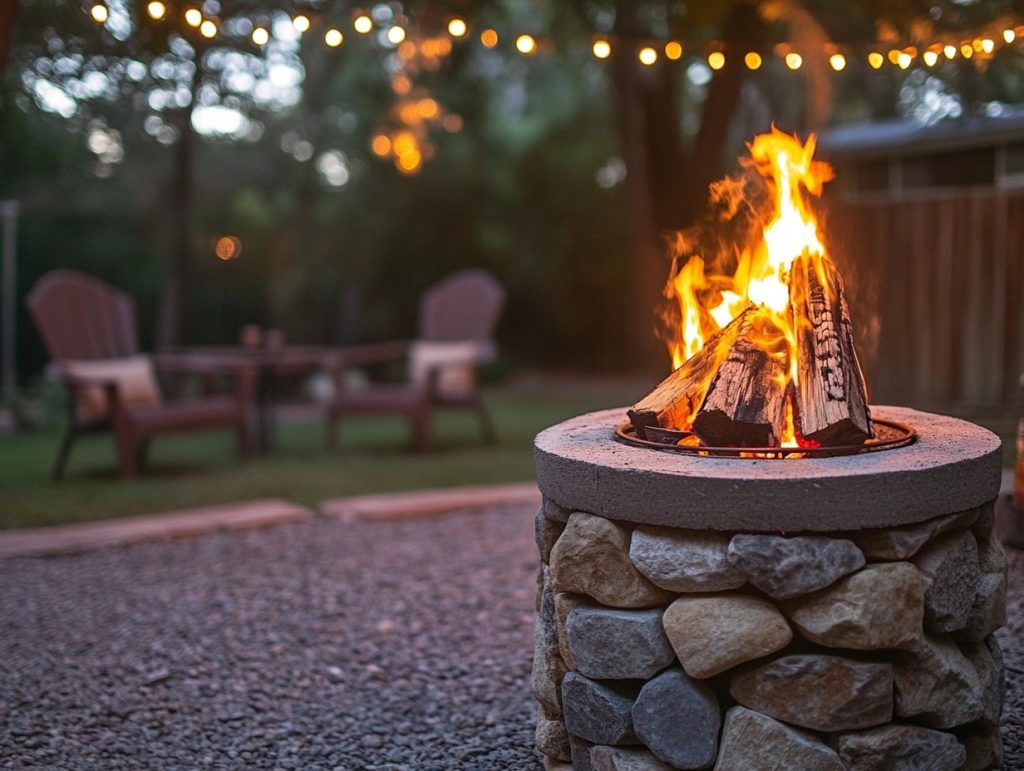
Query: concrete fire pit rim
pixel 954 465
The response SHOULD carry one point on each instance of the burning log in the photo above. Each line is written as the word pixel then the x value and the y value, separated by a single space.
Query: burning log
pixel 673 402
pixel 745 405
pixel 831 398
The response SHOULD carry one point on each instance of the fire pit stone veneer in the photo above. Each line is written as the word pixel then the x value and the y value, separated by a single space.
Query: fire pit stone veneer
pixel 738 614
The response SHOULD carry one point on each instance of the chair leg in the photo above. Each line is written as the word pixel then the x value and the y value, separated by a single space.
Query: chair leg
pixel 63 451
pixel 332 424
pixel 421 424
pixel 142 454
pixel 245 443
pixel 127 453
pixel 486 422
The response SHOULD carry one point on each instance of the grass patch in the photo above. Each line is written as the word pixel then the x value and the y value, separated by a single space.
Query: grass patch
pixel 199 469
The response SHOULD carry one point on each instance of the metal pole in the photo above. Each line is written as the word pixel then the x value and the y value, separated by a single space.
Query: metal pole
pixel 8 299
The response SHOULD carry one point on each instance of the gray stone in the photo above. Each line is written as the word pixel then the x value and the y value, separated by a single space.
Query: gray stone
pixel 817 691
pixel 551 737
pixel 609 644
pixel 546 532
pixel 619 759
pixel 713 634
pixel 678 719
pixel 788 567
pixel 553 511
pixel 592 557
pixel 984 746
pixel 548 667
pixel 566 603
pixel 950 568
pixel 755 742
pixel 988 613
pixel 990 677
pixel 881 606
pixel 937 685
pixel 599 713
pixel 991 554
pixel 900 748
pixel 684 560
pixel 904 542
pixel 996 651
pixel 580 753
pixel 954 466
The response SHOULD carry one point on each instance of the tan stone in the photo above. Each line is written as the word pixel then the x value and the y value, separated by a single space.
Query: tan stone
pixel 900 543
pixel 713 634
pixel 881 606
pixel 937 685
pixel 565 604
pixel 592 557
pixel 752 741
pixel 550 736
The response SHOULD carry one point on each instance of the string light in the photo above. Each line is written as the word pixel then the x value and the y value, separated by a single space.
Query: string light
pixel 903 60
pixel 227 248
pixel 526 45
pixel 193 17
pixel 838 62
pixel 894 56
pixel 333 38
pixel 674 50
pixel 457 27
pixel 949 52
pixel 1009 35
pixel 363 24
pixel 396 35
pixel 794 60
pixel 752 60
pixel 602 49
pixel 208 29
pixel 716 60
pixel 156 9
pixel 930 57
pixel 99 13
pixel 966 51
pixel 301 23
pixel 489 38
pixel 876 60
pixel 381 145
pixel 647 56
pixel 260 36
pixel 988 46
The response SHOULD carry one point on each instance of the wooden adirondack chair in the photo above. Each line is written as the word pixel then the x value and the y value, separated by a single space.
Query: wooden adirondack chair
pixel 90 333
pixel 457 318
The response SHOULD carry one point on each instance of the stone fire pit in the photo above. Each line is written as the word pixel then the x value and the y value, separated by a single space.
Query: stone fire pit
pixel 831 613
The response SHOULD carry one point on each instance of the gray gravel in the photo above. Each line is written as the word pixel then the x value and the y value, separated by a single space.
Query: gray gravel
pixel 316 646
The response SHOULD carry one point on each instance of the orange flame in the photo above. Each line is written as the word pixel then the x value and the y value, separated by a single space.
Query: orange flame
pixel 707 296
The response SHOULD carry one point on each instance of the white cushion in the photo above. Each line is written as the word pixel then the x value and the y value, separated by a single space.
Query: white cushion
pixel 135 378
pixel 455 363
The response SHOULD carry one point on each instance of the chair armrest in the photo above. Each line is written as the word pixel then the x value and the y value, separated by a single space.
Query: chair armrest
pixel 201 363
pixel 373 353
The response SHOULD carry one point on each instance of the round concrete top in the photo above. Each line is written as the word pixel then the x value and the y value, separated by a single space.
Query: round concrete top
pixel 953 466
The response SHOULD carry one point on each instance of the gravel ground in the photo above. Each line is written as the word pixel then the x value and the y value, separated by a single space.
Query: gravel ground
pixel 316 646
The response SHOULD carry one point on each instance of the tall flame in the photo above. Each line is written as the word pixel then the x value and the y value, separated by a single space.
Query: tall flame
pixel 786 229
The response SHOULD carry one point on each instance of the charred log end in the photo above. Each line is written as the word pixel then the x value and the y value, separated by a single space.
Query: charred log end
pixel 642 420
pixel 716 429
pixel 845 432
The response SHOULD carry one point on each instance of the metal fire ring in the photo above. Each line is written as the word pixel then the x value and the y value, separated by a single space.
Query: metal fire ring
pixel 889 434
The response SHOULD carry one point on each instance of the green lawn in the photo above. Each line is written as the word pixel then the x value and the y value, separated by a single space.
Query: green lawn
pixel 192 470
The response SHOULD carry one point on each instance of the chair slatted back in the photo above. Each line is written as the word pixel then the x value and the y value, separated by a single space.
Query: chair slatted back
pixel 464 306
pixel 81 317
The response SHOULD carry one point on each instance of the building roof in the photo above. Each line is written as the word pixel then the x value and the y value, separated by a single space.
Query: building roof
pixel 904 137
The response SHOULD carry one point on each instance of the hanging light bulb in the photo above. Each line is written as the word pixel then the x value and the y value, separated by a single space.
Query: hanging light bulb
pixel 752 60
pixel 647 56
pixel 794 60
pixel 876 60
pixel 526 44
pixel 602 49
pixel 838 62
pixel 208 29
pixel 193 17
pixel 396 35
pixel 333 38
pixel 716 60
pixel 457 27
pixel 930 57
pixel 260 36
pixel 949 51
pixel 301 23
pixel 99 13
pixel 674 50
pixel 362 24
pixel 1009 35
pixel 156 9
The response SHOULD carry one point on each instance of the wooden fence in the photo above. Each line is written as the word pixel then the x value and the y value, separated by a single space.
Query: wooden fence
pixel 936 286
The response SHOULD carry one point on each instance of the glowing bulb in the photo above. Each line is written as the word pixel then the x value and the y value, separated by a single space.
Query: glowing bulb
pixel 260 36
pixel 156 9
pixel 647 56
pixel 525 44
pixel 99 13
pixel 930 57
pixel 876 60
pixel 381 145
pixel 602 49
pixel 838 62
pixel 489 38
pixel 903 60
pixel 988 45
pixel 396 35
pixel 949 51
pixel 966 50
pixel 673 50
pixel 301 23
pixel 1009 35
pixel 752 60
pixel 363 24
pixel 228 248
pixel 208 29
pixel 716 60
pixel 457 27
pixel 794 60
pixel 193 17
pixel 333 38
pixel 894 55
